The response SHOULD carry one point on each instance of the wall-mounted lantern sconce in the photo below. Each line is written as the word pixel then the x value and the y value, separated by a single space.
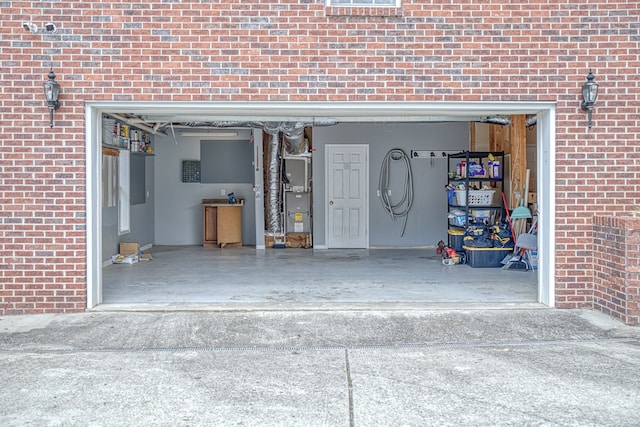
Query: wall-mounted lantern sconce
pixel 589 95
pixel 51 92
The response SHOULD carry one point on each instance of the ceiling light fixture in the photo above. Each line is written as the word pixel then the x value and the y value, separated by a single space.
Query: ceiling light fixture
pixel 210 134
pixel 51 93
pixel 589 96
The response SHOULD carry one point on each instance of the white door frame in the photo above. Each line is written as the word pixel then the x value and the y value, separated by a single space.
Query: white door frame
pixel 93 158
pixel 346 112
pixel 546 178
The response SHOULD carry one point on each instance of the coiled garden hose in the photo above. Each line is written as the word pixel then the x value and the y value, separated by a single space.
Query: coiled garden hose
pixel 401 208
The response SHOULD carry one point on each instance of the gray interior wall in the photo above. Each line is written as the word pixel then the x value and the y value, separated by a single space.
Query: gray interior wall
pixel 218 161
pixel 427 218
pixel 110 238
pixel 178 210
pixel 142 218
pixel 137 184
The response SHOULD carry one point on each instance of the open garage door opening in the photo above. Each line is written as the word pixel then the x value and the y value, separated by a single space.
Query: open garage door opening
pixel 277 243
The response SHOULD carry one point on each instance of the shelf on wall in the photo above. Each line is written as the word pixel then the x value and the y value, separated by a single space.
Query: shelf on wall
pixel 133 153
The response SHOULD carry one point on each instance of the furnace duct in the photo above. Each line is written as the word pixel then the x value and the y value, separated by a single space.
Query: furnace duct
pixel 294 142
pixel 497 120
pixel 272 199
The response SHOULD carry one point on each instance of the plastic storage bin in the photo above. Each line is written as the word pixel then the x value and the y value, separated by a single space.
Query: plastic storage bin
pixel 458 221
pixel 456 239
pixel 486 257
pixel 476 197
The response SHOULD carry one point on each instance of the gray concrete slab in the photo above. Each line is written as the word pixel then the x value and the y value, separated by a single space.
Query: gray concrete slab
pixel 235 276
pixel 473 366
pixel 173 388
pixel 560 384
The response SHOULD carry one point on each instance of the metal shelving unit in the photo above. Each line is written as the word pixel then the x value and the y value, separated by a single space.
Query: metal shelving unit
pixel 465 169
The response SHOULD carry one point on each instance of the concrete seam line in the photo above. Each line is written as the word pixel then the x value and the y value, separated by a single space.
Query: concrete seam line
pixel 362 347
pixel 349 387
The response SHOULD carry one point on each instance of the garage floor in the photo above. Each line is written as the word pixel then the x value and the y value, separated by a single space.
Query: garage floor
pixel 307 277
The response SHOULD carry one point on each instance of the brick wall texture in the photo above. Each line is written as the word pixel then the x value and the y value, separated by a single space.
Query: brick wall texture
pixel 617 267
pixel 299 50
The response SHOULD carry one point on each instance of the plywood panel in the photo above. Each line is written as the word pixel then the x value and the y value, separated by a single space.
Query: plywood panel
pixel 472 136
pixel 518 130
pixel 496 137
pixel 229 225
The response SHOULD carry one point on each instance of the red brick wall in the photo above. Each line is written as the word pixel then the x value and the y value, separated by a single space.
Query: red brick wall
pixel 616 248
pixel 297 50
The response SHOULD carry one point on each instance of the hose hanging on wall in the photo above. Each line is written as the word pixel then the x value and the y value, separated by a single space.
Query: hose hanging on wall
pixel 402 208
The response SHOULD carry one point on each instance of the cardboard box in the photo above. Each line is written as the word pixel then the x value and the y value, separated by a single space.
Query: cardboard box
pixel 292 240
pixel 270 241
pixel 127 249
pixel 129 253
pixel 298 240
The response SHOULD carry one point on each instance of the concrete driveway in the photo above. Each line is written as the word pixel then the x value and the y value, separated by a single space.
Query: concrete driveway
pixel 450 366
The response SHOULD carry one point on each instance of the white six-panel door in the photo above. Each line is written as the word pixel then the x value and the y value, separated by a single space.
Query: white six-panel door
pixel 347 179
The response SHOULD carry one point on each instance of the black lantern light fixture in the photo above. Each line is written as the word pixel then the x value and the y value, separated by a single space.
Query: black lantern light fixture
pixel 51 92
pixel 589 96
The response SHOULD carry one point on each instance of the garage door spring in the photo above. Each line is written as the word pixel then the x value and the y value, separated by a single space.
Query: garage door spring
pixel 402 207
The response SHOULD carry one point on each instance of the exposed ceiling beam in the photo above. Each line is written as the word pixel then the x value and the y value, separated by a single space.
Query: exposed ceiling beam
pixel 138 123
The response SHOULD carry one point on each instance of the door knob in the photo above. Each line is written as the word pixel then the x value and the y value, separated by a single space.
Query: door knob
pixel 331 202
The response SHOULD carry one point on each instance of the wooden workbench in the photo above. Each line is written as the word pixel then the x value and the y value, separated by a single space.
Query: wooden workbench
pixel 221 223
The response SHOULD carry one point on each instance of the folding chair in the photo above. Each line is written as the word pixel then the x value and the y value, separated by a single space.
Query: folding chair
pixel 527 242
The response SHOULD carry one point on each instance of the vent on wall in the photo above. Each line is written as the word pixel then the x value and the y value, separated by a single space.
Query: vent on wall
pixel 190 171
